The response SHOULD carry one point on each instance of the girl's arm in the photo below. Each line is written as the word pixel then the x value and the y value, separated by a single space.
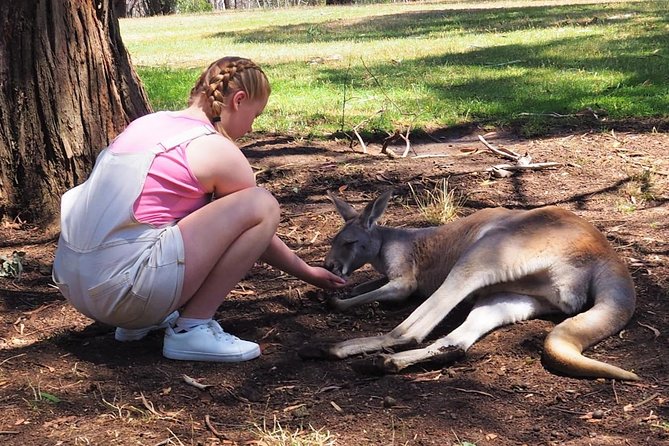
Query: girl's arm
pixel 282 257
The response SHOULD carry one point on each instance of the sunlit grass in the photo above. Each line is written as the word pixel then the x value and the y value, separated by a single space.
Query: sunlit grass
pixel 277 435
pixel 439 205
pixel 427 65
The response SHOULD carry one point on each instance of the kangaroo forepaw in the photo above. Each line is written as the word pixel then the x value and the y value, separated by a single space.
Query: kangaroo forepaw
pixel 447 356
pixel 375 365
pixel 316 351
pixel 337 304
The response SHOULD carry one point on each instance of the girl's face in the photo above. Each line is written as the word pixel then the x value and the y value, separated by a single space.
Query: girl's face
pixel 237 118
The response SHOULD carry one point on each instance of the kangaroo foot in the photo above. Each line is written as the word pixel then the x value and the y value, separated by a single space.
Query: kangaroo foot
pixel 375 365
pixel 447 356
pixel 387 364
pixel 316 351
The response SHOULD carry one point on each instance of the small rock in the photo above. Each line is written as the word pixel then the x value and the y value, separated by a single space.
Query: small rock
pixel 389 401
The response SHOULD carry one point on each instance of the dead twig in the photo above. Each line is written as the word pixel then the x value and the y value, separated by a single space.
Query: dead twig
pixel 531 166
pixel 511 62
pixel 504 153
pixel 655 331
pixel 615 393
pixel 647 400
pixel 408 143
pixel 522 162
pixel 431 155
pixel 37 310
pixel 148 405
pixel 478 392
pixel 360 124
pixel 12 357
pixel 213 430
pixel 194 383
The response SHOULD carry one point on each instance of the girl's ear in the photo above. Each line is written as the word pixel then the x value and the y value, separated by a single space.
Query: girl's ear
pixel 237 99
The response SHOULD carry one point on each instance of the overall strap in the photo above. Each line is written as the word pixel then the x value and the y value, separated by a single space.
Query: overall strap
pixel 183 137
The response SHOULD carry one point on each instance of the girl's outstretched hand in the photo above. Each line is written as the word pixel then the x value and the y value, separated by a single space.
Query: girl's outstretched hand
pixel 323 278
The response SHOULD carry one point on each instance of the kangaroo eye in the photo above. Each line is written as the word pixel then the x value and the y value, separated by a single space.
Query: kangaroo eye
pixel 350 243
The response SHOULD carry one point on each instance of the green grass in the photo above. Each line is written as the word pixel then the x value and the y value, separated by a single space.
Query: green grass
pixel 428 65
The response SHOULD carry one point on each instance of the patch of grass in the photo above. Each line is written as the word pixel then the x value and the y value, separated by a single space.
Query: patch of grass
pixel 638 191
pixel 664 425
pixel 277 435
pixel 532 64
pixel 439 205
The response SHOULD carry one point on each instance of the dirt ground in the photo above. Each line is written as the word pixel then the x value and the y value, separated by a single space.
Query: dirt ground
pixel 64 380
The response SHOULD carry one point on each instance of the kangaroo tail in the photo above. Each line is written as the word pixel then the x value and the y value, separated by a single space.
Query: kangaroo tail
pixel 614 302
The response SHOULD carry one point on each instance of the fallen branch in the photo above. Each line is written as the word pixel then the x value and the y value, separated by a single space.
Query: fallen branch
pixel 522 162
pixel 532 166
pixel 504 153
pixel 393 137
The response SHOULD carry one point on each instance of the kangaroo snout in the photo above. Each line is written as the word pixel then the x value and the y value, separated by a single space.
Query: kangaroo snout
pixel 335 267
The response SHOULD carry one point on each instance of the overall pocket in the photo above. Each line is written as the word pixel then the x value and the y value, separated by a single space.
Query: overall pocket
pixel 114 303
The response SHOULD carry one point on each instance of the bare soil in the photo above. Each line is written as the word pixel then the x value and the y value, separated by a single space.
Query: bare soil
pixel 64 380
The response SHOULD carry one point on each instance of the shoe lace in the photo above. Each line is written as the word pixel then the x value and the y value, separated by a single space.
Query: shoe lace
pixel 221 334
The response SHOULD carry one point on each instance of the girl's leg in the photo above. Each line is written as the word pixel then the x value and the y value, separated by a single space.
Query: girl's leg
pixel 222 241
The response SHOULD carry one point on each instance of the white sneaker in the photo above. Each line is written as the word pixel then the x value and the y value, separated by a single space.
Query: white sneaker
pixel 127 334
pixel 208 342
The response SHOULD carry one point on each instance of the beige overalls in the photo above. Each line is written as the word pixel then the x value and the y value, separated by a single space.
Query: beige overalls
pixel 109 266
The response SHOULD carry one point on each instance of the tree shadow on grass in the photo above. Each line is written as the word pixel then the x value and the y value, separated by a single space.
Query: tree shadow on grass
pixel 449 20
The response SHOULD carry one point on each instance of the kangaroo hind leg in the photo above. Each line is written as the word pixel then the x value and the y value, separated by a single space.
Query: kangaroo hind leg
pixel 487 314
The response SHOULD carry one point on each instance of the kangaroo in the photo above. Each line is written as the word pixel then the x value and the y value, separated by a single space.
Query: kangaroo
pixel 515 265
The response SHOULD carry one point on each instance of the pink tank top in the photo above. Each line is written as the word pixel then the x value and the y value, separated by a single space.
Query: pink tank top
pixel 170 191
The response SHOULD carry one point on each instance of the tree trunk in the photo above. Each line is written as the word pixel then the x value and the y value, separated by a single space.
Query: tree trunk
pixel 120 8
pixel 67 87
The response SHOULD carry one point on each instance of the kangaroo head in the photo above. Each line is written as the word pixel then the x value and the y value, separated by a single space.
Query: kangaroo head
pixel 359 241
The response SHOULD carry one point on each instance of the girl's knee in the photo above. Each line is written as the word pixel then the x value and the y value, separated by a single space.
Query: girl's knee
pixel 266 205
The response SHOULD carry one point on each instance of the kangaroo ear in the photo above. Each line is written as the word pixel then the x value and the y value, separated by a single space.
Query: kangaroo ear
pixel 345 210
pixel 375 209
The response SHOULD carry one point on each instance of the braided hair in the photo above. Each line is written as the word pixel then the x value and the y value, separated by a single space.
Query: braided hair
pixel 227 76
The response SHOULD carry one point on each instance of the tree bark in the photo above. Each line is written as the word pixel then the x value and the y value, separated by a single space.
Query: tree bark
pixel 67 87
pixel 120 8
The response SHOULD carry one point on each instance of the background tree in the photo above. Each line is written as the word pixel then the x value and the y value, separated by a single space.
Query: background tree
pixel 67 87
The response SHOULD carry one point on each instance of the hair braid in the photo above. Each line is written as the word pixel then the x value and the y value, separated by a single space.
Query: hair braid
pixel 226 76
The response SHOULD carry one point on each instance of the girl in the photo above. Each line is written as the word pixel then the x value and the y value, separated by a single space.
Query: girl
pixel 142 237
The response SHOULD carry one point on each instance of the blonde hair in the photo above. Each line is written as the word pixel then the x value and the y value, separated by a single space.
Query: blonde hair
pixel 224 77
